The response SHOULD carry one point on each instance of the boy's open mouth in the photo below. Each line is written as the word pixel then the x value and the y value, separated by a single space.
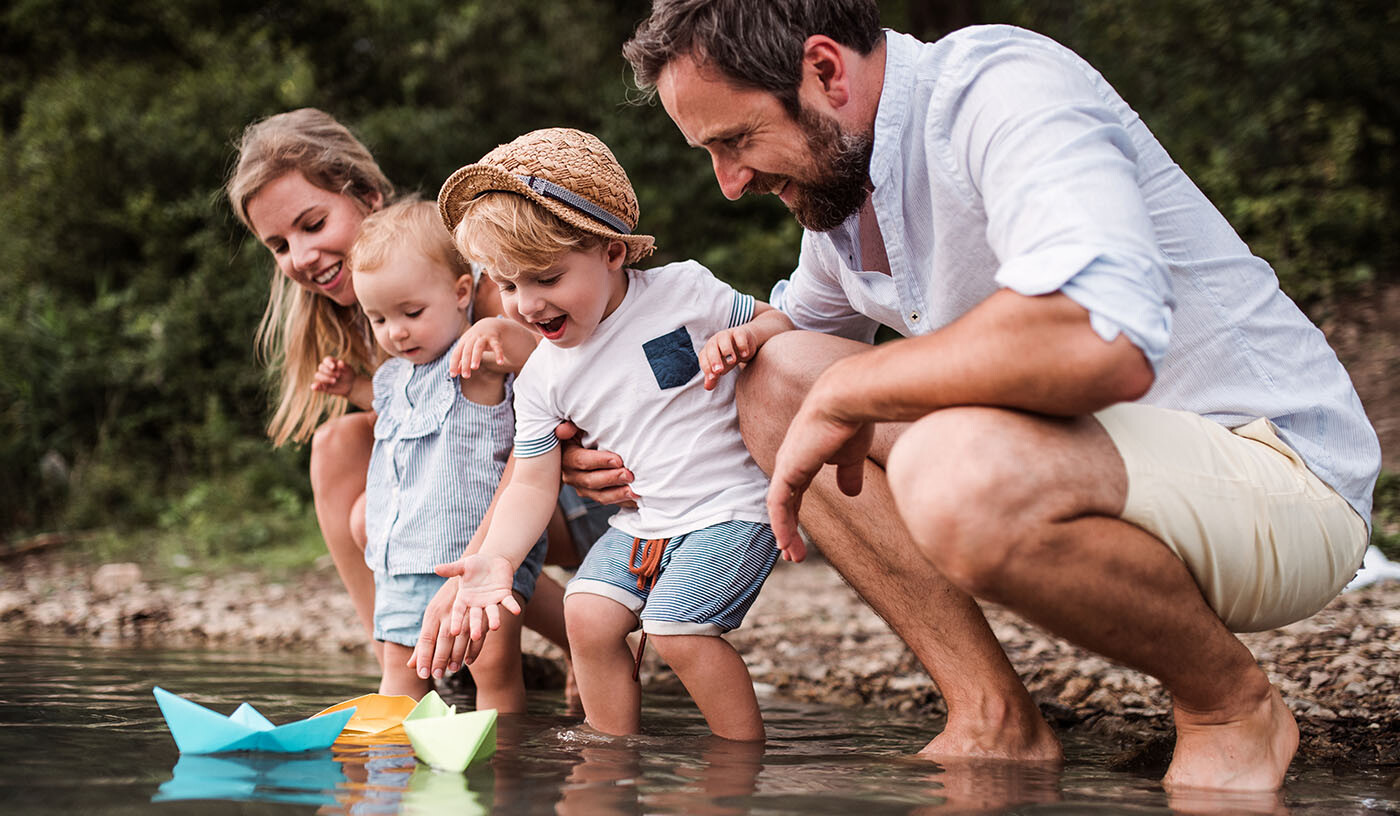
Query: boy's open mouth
pixel 551 329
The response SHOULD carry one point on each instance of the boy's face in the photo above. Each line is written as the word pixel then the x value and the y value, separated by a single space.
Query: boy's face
pixel 416 308
pixel 565 303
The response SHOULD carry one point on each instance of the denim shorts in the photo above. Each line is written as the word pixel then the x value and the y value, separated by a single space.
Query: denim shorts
pixel 708 579
pixel 400 600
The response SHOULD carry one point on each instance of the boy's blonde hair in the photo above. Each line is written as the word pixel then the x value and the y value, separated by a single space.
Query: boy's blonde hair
pixel 298 327
pixel 407 223
pixel 509 234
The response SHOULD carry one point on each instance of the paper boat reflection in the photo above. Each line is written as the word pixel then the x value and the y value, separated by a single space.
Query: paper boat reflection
pixel 200 730
pixel 447 740
pixel 310 780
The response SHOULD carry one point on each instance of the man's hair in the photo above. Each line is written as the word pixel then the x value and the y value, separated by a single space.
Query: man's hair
pixel 752 43
pixel 508 234
pixel 409 223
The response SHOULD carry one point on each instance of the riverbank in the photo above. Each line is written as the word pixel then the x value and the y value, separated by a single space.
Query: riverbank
pixel 808 637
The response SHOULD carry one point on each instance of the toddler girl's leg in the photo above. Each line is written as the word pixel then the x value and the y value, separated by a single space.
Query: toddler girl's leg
pixel 496 671
pixel 398 678
pixel 339 461
pixel 718 681
pixel 598 627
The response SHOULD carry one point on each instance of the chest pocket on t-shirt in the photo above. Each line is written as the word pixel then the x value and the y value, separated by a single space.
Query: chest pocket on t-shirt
pixel 672 358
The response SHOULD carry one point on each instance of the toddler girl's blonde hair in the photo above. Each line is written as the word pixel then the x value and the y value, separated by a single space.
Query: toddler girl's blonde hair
pixel 511 234
pixel 298 327
pixel 409 222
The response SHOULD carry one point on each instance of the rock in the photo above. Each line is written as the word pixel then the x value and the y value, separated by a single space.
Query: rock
pixel 114 579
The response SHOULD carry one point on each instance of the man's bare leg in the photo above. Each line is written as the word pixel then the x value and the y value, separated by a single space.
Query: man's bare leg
pixel 1023 510
pixel 990 713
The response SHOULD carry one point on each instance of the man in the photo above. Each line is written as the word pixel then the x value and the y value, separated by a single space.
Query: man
pixel 1105 415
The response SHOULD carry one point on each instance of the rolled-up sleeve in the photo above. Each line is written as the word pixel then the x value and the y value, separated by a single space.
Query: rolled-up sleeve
pixel 1055 171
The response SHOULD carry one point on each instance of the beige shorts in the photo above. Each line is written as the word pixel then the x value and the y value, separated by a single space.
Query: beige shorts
pixel 1268 542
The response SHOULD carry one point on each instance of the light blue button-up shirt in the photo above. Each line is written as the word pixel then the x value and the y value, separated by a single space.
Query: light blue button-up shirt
pixel 1003 160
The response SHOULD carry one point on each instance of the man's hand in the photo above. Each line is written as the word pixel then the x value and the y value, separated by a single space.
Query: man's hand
pixel 597 475
pixel 814 438
pixel 334 376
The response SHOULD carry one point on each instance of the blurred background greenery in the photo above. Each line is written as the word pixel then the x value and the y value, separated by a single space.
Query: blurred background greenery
pixel 131 407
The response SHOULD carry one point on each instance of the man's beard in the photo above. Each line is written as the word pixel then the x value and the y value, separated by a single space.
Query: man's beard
pixel 842 163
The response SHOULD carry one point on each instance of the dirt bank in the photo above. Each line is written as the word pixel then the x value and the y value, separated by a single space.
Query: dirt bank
pixel 808 637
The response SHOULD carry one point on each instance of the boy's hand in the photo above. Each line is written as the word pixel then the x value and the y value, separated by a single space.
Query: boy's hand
pixel 485 586
pixel 438 650
pixel 508 344
pixel 334 376
pixel 725 351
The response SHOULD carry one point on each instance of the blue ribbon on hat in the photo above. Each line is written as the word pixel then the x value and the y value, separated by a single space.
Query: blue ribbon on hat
pixel 566 196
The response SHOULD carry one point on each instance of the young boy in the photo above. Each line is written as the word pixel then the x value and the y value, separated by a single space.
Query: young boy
pixel 440 443
pixel 551 216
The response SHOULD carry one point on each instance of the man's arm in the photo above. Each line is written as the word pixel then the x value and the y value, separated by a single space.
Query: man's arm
pixel 1012 351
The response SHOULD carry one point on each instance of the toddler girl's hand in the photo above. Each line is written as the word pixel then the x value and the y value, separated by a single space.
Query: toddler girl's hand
pixel 725 351
pixel 485 586
pixel 334 377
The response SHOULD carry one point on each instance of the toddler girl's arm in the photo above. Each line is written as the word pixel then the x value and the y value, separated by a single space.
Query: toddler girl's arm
pixel 520 516
pixel 728 348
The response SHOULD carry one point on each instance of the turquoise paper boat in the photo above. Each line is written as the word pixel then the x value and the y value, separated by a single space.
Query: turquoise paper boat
pixel 200 730
pixel 447 740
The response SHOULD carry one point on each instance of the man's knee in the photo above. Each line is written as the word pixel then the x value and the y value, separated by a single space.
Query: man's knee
pixel 947 474
pixel 773 384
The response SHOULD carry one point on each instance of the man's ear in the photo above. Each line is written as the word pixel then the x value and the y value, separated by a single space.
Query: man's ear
pixel 824 72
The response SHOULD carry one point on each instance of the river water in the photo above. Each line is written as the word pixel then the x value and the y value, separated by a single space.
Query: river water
pixel 80 733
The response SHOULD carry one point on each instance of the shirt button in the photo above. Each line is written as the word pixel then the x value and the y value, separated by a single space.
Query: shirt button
pixel 914 317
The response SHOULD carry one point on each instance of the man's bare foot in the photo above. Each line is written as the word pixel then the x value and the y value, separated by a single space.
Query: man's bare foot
pixel 1031 742
pixel 1248 750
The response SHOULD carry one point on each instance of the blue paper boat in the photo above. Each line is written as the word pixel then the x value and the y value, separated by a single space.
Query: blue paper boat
pixel 199 730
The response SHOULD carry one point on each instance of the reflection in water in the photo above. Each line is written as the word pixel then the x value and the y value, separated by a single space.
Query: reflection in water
pixel 82 734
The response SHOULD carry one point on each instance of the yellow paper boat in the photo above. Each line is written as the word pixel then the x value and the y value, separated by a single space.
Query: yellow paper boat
pixel 378 718
pixel 447 740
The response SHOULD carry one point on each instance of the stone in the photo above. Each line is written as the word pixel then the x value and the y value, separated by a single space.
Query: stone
pixel 113 579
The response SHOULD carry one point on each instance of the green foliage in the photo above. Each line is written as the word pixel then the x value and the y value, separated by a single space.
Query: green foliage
pixel 129 396
pixel 1385 516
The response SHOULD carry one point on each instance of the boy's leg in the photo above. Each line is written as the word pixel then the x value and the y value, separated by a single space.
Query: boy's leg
pixel 398 678
pixel 598 628
pixel 497 672
pixel 718 682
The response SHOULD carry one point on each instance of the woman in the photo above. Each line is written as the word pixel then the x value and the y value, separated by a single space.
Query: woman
pixel 302 185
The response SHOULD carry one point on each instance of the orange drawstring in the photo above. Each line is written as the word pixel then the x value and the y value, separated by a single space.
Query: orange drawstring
pixel 649 568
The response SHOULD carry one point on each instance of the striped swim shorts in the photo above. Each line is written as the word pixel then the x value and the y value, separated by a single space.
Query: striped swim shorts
pixel 706 582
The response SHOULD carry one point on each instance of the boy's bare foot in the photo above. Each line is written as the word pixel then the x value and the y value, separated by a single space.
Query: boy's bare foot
pixel 1246 750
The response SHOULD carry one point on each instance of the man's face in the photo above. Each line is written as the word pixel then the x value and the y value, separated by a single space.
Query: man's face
pixel 818 171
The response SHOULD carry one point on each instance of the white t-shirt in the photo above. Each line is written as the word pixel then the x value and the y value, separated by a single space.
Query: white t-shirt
pixel 635 388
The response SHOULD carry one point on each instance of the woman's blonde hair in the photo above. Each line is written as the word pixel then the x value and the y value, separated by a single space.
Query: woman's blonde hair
pixel 298 327
pixel 408 222
pixel 511 234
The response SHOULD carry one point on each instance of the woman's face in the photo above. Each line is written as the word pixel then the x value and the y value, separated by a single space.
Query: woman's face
pixel 308 230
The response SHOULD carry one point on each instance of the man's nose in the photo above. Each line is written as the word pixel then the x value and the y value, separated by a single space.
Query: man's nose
pixel 732 176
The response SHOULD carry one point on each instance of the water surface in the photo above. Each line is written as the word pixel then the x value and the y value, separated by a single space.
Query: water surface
pixel 80 733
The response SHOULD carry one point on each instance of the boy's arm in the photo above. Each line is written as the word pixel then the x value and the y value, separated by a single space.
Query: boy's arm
pixel 522 512
pixel 730 347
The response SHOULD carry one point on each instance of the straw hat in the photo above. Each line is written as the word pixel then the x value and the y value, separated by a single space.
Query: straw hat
pixel 568 172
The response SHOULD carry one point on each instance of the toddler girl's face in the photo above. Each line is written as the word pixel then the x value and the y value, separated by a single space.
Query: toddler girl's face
pixel 417 308
pixel 565 303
